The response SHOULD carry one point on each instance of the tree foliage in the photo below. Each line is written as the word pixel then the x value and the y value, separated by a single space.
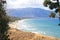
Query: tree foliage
pixel 3 22
pixel 52 15
pixel 53 5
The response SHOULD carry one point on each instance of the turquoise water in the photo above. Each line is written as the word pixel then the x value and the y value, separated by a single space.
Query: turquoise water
pixel 46 26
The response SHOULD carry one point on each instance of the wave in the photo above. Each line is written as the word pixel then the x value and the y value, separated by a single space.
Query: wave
pixel 21 25
pixel 46 27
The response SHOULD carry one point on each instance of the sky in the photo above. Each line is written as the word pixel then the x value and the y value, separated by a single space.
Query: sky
pixel 15 4
pixel 18 4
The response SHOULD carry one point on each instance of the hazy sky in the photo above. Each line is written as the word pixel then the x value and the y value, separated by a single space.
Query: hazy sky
pixel 14 4
pixel 17 4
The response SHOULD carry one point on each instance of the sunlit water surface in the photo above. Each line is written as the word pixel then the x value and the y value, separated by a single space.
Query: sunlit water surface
pixel 46 26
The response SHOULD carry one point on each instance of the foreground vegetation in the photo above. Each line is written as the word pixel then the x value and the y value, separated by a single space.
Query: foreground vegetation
pixel 53 4
pixel 3 21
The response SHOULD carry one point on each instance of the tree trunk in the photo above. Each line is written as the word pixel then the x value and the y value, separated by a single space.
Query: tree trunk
pixel 59 19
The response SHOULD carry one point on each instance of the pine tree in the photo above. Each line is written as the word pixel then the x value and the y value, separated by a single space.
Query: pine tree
pixel 54 4
pixel 3 21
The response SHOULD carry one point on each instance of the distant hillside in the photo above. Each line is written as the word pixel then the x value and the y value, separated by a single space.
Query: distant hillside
pixel 28 12
pixel 12 19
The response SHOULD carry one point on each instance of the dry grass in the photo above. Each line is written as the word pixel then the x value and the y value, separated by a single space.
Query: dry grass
pixel 15 34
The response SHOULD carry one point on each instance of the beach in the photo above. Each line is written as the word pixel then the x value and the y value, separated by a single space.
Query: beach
pixel 16 34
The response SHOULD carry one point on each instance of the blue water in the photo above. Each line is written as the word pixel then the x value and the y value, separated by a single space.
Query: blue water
pixel 46 26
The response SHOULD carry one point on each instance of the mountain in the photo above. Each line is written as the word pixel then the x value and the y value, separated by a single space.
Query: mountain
pixel 28 12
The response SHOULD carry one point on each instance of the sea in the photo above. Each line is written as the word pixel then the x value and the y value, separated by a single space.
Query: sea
pixel 45 26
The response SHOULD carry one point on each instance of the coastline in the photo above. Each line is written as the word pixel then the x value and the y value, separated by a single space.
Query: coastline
pixel 37 36
pixel 15 34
